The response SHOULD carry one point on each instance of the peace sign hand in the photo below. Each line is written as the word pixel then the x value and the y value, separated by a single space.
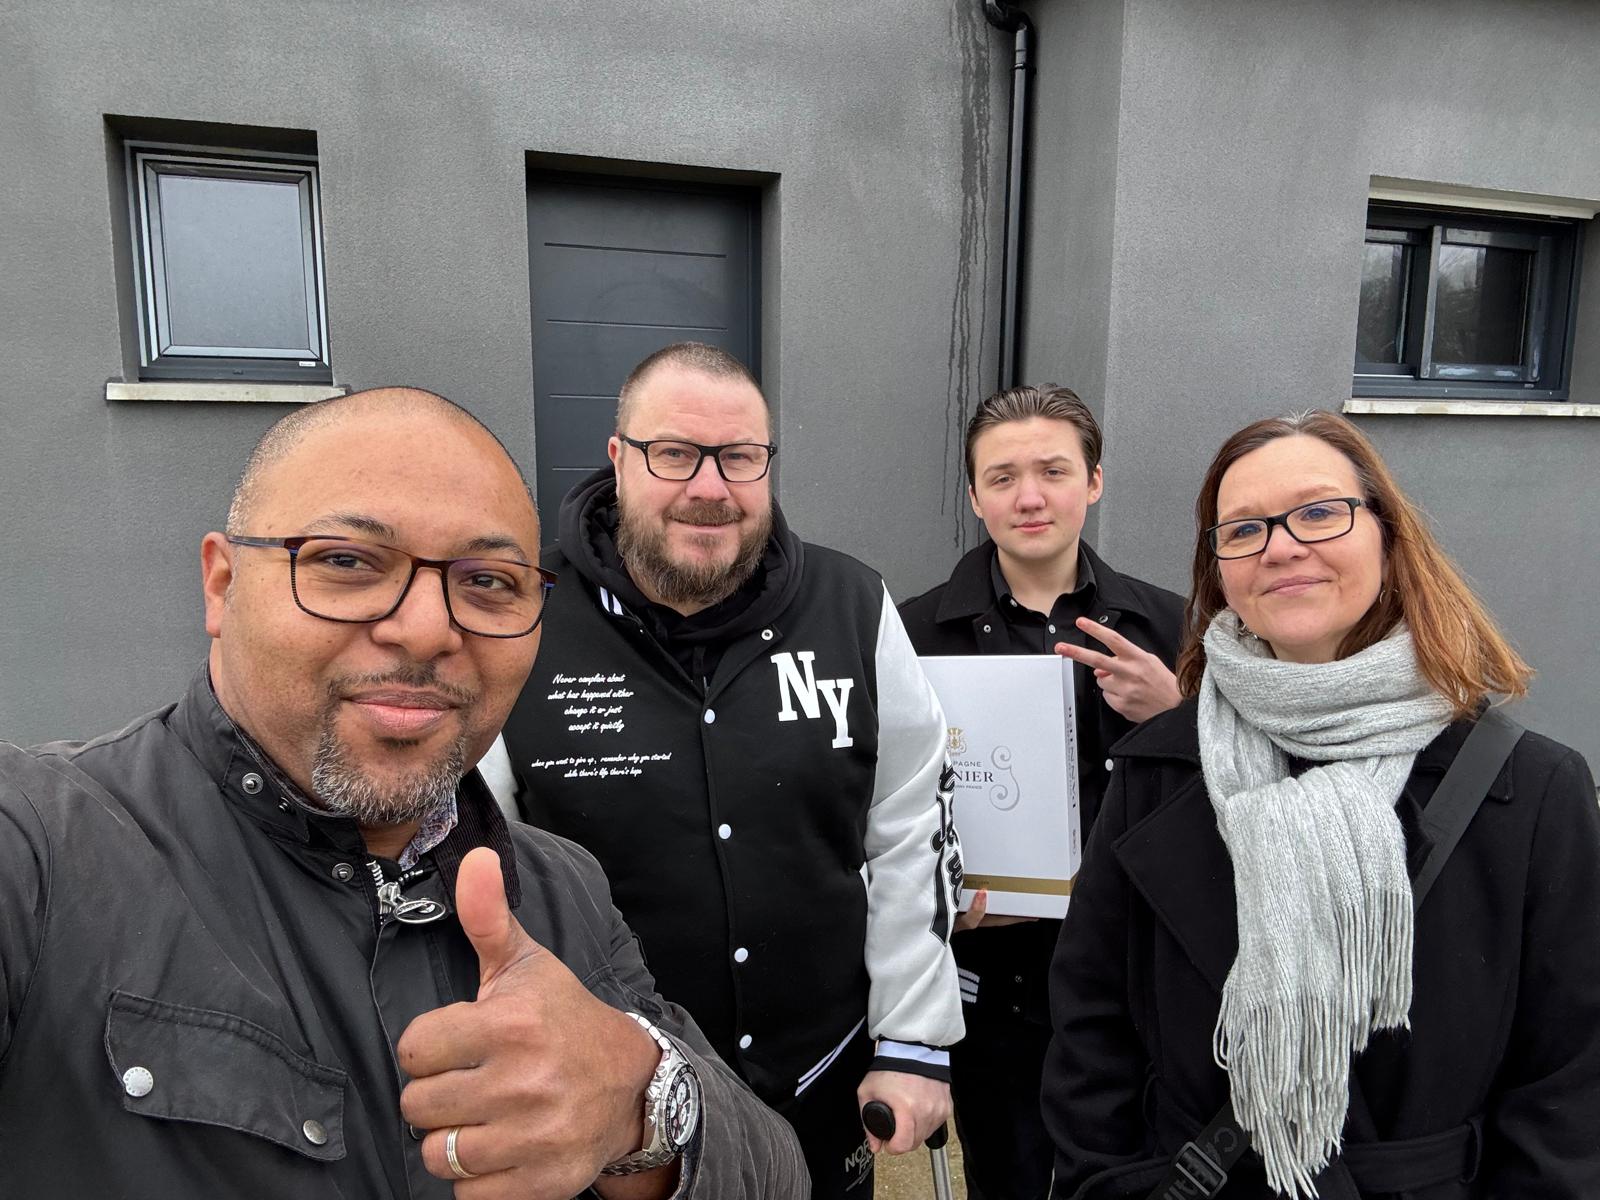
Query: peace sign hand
pixel 1134 682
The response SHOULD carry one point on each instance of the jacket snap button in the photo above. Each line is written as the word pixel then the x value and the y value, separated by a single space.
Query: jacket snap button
pixel 343 872
pixel 740 954
pixel 744 1042
pixel 1110 765
pixel 986 629
pixel 315 1133
pixel 711 717
pixel 137 1081
pixel 766 635
pixel 724 832
pixel 1103 620
pixel 251 783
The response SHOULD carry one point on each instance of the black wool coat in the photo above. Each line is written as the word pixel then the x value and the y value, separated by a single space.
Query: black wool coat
pixel 1502 1059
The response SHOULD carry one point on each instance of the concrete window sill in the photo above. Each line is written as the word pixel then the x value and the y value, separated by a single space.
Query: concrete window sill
pixel 224 392
pixel 1471 408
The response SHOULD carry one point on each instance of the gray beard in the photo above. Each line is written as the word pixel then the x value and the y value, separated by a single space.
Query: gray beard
pixel 644 554
pixel 340 787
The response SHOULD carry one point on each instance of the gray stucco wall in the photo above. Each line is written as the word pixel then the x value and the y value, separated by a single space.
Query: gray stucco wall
pixel 1246 135
pixel 880 131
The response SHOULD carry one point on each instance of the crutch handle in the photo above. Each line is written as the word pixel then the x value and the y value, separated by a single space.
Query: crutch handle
pixel 878 1118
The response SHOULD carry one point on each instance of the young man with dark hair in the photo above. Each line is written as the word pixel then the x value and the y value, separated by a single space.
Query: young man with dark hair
pixel 1036 587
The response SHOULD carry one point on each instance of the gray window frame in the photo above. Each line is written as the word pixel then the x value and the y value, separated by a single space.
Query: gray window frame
pixel 159 358
pixel 1545 371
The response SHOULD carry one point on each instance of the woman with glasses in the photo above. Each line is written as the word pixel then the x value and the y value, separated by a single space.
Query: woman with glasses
pixel 1242 974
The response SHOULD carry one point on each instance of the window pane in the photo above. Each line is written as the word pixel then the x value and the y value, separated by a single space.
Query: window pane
pixel 235 265
pixel 1383 282
pixel 1482 305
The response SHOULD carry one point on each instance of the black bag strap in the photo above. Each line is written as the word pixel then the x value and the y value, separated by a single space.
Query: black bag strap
pixel 1455 802
pixel 1200 1169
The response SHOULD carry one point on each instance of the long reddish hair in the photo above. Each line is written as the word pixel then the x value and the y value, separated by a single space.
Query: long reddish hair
pixel 1460 650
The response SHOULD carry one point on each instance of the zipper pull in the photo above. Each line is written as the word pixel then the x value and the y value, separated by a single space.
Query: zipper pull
pixel 393 905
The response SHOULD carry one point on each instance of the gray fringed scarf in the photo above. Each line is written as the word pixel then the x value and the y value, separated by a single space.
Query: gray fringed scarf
pixel 1324 901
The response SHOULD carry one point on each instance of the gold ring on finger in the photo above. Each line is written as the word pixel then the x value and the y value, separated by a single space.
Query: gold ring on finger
pixel 456 1168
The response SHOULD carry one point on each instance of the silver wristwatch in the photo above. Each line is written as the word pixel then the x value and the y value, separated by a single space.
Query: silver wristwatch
pixel 671 1108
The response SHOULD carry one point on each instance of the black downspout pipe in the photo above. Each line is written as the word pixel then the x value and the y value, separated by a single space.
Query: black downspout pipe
pixel 1003 16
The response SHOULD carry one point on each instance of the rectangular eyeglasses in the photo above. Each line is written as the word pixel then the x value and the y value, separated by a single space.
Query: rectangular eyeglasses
pixel 737 462
pixel 1318 521
pixel 349 580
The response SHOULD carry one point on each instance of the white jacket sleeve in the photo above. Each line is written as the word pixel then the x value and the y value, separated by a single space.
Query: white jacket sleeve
pixel 913 863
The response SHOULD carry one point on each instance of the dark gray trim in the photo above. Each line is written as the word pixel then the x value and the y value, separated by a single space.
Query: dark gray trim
pixel 1544 367
pixel 159 358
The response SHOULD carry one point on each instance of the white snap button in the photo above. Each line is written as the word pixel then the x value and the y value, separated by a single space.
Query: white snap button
pixel 766 635
pixel 711 717
pixel 1103 620
pixel 1012 602
pixel 740 954
pixel 986 629
pixel 315 1133
pixel 724 832
pixel 1109 764
pixel 744 1042
pixel 343 872
pixel 251 783
pixel 137 1081
pixel 1052 629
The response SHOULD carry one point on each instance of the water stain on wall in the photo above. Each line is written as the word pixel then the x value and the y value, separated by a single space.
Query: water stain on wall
pixel 969 306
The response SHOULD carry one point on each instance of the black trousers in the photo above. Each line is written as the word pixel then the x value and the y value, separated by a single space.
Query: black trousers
pixel 827 1121
pixel 995 1073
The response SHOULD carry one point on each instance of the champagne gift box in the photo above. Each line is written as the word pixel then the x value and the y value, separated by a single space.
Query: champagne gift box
pixel 1011 740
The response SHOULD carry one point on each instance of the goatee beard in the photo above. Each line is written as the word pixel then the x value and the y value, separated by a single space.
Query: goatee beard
pixel 643 547
pixel 341 786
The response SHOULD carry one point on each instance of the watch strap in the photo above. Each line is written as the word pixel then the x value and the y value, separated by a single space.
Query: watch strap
pixel 658 1152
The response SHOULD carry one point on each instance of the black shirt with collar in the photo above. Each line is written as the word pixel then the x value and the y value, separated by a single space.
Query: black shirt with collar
pixel 1030 632
pixel 1033 632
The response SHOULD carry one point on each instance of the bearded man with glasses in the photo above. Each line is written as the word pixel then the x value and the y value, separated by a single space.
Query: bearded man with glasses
pixel 279 937
pixel 734 722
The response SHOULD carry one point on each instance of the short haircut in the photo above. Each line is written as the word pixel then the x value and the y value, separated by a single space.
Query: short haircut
pixel 1049 400
pixel 1459 649
pixel 283 435
pixel 692 356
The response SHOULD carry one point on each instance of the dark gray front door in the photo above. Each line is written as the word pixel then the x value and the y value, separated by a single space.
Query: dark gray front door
pixel 619 270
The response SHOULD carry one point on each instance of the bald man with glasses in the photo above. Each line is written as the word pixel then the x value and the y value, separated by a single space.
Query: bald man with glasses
pixel 278 936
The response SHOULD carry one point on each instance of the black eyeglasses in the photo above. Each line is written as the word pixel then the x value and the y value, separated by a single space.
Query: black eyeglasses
pixel 1319 521
pixel 348 580
pixel 737 462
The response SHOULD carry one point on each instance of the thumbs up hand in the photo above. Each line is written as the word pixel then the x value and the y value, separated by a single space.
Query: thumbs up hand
pixel 543 1082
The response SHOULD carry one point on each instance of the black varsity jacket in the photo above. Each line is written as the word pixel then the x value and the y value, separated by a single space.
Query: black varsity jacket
pixel 778 833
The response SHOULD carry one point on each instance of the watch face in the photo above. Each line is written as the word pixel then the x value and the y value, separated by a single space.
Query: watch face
pixel 683 1108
